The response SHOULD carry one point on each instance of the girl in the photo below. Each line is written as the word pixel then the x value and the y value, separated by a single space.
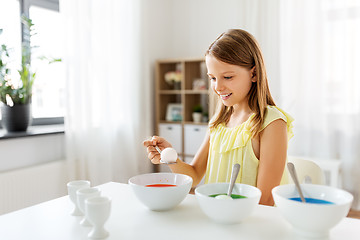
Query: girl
pixel 247 127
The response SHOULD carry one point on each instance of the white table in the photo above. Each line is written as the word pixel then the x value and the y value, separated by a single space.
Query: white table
pixel 131 220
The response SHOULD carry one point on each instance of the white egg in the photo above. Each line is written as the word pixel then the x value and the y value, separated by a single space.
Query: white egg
pixel 169 155
pixel 226 197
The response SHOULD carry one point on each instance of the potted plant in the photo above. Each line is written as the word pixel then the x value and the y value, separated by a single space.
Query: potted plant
pixel 173 78
pixel 197 113
pixel 15 96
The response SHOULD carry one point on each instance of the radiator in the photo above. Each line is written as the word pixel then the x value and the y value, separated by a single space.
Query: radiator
pixel 29 186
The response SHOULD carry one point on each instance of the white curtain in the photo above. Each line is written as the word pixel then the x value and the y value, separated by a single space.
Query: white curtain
pixel 108 101
pixel 320 84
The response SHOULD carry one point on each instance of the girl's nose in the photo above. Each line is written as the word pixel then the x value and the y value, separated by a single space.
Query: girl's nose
pixel 218 85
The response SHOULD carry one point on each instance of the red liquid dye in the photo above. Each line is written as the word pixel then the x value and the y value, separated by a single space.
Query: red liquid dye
pixel 160 185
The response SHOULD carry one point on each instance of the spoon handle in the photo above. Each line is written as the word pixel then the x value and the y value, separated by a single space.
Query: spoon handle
pixel 234 174
pixel 293 174
pixel 157 149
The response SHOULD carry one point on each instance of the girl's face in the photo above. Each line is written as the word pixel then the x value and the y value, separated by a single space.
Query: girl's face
pixel 231 82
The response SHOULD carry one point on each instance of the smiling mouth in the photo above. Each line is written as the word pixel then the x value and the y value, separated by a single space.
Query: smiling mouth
pixel 225 96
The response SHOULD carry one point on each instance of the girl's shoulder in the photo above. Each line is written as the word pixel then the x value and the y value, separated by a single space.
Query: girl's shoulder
pixel 274 113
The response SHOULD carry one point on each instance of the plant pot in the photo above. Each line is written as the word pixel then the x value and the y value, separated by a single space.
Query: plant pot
pixel 197 117
pixel 16 118
pixel 177 85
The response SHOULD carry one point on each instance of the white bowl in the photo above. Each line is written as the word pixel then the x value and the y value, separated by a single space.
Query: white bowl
pixel 161 198
pixel 309 219
pixel 227 211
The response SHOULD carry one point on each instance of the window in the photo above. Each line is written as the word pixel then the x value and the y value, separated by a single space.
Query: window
pixel 48 92
pixel 48 104
pixel 11 35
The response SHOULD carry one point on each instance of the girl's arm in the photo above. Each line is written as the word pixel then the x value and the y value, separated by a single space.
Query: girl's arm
pixel 196 169
pixel 273 152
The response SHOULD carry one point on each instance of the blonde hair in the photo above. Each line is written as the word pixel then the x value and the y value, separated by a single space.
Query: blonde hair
pixel 238 47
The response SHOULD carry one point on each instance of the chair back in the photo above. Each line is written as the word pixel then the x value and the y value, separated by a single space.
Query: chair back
pixel 307 171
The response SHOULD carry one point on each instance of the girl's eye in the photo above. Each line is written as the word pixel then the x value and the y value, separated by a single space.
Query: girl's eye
pixel 228 78
pixel 212 78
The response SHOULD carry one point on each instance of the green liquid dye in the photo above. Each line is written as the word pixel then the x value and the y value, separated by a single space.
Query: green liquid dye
pixel 233 196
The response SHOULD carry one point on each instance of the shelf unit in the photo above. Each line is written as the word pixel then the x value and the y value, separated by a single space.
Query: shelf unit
pixel 184 98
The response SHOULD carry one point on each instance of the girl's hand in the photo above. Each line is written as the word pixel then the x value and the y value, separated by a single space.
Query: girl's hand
pixel 153 154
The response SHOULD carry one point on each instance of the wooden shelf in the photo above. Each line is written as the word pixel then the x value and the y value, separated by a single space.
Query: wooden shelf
pixel 196 123
pixel 183 91
pixel 171 122
pixel 191 69
pixel 196 91
pixel 170 92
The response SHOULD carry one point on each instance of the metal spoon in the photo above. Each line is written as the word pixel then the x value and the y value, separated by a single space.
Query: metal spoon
pixel 234 174
pixel 293 174
pixel 159 151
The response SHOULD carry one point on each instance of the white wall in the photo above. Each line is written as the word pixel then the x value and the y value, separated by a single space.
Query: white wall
pixel 180 29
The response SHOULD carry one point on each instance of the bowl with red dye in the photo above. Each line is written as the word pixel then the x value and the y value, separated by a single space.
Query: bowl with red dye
pixel 324 208
pixel 161 191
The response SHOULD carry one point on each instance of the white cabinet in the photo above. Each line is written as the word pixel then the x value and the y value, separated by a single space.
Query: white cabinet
pixel 193 137
pixel 172 132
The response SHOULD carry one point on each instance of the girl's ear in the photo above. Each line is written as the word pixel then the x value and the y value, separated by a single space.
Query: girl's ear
pixel 253 74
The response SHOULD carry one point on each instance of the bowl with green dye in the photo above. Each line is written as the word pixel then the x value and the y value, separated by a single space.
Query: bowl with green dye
pixel 244 200
pixel 324 208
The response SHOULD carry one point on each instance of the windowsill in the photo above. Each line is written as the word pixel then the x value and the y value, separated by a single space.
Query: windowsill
pixel 38 130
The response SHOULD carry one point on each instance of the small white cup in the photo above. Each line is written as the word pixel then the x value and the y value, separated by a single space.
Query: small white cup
pixel 72 187
pixel 82 195
pixel 97 211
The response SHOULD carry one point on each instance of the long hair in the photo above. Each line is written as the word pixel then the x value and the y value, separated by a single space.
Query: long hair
pixel 238 47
